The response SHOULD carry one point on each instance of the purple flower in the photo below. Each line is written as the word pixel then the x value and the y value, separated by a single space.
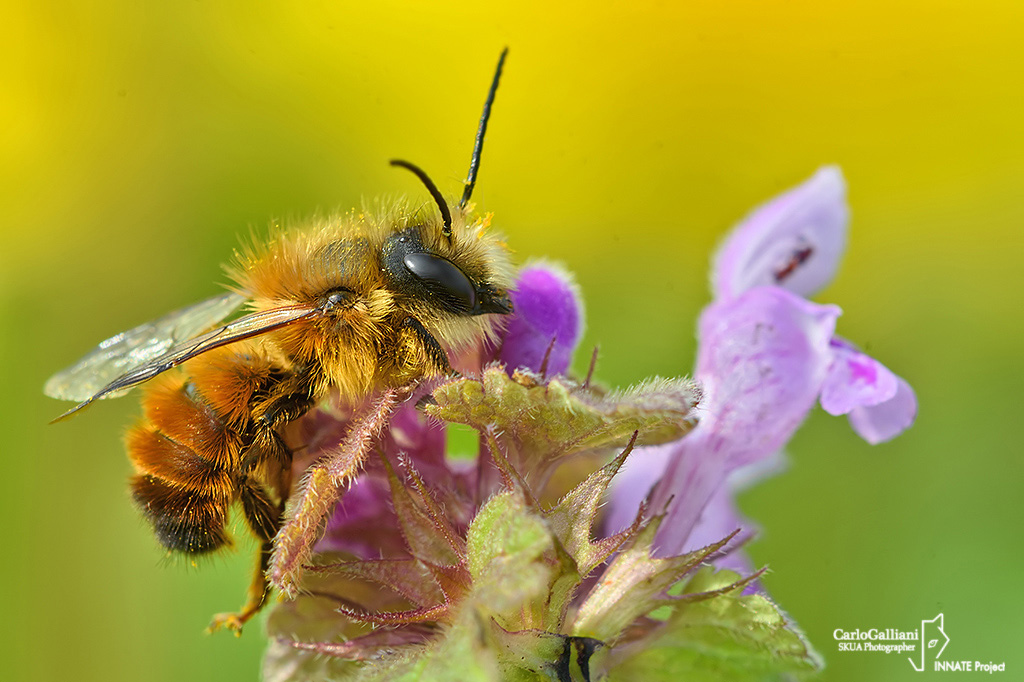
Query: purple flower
pixel 795 242
pixel 762 360
pixel 766 355
pixel 364 523
pixel 548 320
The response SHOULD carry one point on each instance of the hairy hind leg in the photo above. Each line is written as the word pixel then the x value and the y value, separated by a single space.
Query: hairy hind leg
pixel 256 596
pixel 264 518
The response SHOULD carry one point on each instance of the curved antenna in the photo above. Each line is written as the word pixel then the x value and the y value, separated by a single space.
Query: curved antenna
pixel 446 214
pixel 474 163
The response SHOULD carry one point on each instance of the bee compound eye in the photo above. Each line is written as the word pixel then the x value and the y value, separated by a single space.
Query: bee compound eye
pixel 443 278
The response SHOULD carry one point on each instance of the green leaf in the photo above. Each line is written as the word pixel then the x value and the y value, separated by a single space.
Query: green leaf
pixel 541 422
pixel 723 635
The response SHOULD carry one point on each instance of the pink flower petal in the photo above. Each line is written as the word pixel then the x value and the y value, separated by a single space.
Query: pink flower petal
pixel 855 380
pixel 696 470
pixel 762 360
pixel 794 241
pixel 884 421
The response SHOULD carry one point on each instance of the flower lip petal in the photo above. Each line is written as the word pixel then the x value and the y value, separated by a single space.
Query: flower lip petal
pixel 884 421
pixel 854 380
pixel 794 241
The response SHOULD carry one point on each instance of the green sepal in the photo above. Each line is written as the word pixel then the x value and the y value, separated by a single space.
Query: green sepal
pixel 633 585
pixel 312 617
pixel 462 652
pixel 410 578
pixel 427 533
pixel 512 560
pixel 573 518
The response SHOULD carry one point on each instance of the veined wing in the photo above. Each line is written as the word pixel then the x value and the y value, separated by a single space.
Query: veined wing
pixel 134 348
pixel 245 327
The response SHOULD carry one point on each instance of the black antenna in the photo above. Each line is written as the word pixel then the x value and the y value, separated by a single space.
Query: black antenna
pixel 474 163
pixel 446 214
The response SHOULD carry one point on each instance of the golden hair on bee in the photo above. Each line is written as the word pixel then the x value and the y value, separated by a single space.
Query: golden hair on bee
pixel 362 305
pixel 391 263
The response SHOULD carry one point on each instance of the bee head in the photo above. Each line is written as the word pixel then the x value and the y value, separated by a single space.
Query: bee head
pixel 467 289
pixel 423 274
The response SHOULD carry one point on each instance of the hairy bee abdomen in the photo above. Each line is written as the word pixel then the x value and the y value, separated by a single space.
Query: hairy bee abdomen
pixel 187 450
pixel 183 521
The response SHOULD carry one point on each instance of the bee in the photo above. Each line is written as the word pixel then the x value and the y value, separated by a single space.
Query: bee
pixel 352 304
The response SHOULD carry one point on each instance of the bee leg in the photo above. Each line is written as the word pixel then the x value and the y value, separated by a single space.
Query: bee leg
pixel 264 520
pixel 263 517
pixel 320 489
pixel 256 597
pixel 267 417
pixel 282 409
pixel 435 353
pixel 267 446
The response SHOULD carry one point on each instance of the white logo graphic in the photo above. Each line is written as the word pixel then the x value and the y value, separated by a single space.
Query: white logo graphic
pixel 925 647
pixel 929 641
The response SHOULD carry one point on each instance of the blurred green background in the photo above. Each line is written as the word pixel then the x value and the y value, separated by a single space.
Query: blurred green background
pixel 138 143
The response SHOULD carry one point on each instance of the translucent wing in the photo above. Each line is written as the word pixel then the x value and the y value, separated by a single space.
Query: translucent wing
pixel 136 347
pixel 245 327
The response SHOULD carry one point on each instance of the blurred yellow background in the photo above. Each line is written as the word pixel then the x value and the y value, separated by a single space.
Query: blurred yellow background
pixel 138 143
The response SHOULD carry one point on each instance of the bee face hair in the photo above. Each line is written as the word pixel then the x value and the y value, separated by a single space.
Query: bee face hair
pixel 382 267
